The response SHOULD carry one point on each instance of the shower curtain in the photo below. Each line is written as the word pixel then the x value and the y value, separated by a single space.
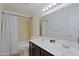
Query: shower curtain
pixel 8 34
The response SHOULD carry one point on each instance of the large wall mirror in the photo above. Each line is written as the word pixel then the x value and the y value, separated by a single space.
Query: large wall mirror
pixel 61 24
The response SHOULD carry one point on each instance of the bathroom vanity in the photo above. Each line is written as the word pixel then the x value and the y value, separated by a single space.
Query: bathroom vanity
pixel 41 47
pixel 35 50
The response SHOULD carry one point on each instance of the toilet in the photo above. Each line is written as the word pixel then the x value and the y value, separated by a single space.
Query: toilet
pixel 23 48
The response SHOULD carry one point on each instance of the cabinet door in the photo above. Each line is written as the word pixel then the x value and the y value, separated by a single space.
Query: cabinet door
pixel 31 49
pixel 36 50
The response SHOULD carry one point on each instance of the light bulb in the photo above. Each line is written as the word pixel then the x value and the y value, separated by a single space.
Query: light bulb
pixel 46 8
pixel 50 5
pixel 54 3
pixel 43 10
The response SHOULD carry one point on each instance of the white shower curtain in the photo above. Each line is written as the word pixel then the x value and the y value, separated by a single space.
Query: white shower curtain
pixel 9 34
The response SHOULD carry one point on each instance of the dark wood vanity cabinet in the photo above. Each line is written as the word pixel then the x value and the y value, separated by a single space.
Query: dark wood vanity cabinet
pixel 35 50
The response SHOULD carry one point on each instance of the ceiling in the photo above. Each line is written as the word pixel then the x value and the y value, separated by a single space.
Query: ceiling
pixel 25 8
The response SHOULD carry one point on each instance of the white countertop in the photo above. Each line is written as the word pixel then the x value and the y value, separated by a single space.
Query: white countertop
pixel 56 49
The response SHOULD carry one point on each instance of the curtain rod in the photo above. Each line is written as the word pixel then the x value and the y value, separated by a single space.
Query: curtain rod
pixel 11 13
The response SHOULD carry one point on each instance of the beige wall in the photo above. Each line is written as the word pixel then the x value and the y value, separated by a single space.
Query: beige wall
pixel 30 24
pixel 25 28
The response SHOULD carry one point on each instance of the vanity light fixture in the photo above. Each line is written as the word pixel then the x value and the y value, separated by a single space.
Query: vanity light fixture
pixel 50 5
pixel 46 8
